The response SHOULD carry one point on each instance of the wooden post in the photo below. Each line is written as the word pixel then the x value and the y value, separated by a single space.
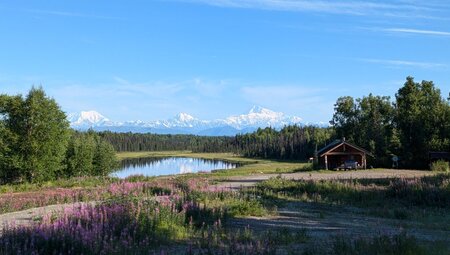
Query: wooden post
pixel 326 162
pixel 364 161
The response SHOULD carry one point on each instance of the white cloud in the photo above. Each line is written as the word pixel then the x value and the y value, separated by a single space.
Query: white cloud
pixel 404 63
pixel 392 8
pixel 141 100
pixel 68 14
pixel 416 31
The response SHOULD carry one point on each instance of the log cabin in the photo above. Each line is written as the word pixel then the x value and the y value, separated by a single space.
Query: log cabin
pixel 341 154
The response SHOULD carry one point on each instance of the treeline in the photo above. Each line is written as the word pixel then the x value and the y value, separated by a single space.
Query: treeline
pixel 36 143
pixel 291 142
pixel 157 142
pixel 416 123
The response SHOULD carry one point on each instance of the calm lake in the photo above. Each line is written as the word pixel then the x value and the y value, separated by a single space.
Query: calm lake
pixel 168 166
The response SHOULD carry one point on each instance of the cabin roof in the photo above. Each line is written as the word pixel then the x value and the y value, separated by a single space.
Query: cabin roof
pixel 439 155
pixel 336 143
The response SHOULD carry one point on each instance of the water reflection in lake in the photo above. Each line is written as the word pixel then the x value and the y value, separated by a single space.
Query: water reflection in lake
pixel 168 166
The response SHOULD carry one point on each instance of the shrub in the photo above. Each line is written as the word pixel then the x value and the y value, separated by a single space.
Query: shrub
pixel 247 208
pixel 440 166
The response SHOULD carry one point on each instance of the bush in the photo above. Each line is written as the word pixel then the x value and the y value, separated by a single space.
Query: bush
pixel 440 166
pixel 241 208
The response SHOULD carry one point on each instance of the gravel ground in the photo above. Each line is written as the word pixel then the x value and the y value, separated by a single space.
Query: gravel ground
pixel 236 182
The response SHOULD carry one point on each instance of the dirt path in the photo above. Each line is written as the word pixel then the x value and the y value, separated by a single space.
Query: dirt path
pixel 237 182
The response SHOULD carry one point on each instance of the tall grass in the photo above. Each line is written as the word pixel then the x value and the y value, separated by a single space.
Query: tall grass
pixel 440 166
pixel 426 191
pixel 105 229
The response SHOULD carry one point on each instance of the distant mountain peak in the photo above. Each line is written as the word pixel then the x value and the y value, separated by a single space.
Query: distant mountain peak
pixel 92 115
pixel 87 118
pixel 259 109
pixel 184 123
pixel 184 117
pixel 259 117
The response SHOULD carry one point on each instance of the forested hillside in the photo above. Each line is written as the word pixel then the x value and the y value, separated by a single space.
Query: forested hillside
pixel 157 142
pixel 291 142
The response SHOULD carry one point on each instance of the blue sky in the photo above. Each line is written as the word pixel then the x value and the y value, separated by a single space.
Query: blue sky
pixel 212 58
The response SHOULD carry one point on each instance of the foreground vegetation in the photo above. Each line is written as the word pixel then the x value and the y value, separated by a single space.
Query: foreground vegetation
pixel 136 215
pixel 186 215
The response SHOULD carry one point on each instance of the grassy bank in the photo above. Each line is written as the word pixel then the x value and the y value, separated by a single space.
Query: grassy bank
pixel 247 166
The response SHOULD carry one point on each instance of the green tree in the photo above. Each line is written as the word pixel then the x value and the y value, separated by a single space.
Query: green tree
pixel 105 159
pixel 345 118
pixel 368 122
pixel 44 136
pixel 376 128
pixel 11 158
pixel 36 143
pixel 89 155
pixel 80 154
pixel 422 120
pixel 9 163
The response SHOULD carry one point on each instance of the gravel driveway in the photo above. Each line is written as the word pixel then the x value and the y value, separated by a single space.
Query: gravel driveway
pixel 236 182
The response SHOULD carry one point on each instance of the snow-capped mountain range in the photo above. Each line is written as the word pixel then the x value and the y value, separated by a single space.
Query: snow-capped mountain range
pixel 184 123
